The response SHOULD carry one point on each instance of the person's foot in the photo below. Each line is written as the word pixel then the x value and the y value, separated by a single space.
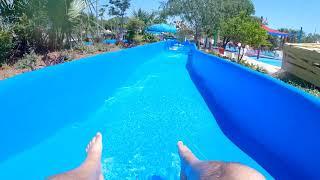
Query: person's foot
pixel 193 168
pixel 91 167
pixel 94 148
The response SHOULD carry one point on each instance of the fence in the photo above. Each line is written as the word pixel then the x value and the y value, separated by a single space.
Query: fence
pixel 303 61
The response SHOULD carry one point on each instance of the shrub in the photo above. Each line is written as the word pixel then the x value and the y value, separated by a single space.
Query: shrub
pixel 311 90
pixel 29 61
pixel 6 46
pixel 92 49
pixel 24 37
pixel 252 66
pixel 54 58
pixel 298 83
pixel 150 38
pixel 101 47
pixel 134 26
pixel 138 39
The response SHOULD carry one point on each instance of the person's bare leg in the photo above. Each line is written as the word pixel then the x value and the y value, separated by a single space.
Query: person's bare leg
pixel 90 169
pixel 193 168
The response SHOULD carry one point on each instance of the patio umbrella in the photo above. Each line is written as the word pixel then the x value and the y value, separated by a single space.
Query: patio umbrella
pixel 162 28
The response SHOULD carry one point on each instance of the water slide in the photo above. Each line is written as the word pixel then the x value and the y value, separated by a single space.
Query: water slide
pixel 144 100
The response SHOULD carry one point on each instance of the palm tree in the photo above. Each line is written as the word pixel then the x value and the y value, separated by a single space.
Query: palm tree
pixel 64 17
pixel 56 19
pixel 144 16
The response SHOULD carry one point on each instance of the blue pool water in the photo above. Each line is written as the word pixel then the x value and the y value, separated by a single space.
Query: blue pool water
pixel 109 41
pixel 274 62
pixel 141 122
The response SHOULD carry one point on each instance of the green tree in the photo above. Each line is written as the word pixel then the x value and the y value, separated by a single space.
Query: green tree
pixel 144 16
pixel 64 16
pixel 118 8
pixel 6 45
pixel 311 38
pixel 134 26
pixel 205 16
pixel 293 34
pixel 274 42
pixel 245 30
pixel 51 20
pixel 149 18
pixel 191 11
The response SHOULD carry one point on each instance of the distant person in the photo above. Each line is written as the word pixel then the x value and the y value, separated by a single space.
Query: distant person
pixel 191 166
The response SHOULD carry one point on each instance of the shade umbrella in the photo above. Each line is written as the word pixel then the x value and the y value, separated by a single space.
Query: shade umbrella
pixel 162 28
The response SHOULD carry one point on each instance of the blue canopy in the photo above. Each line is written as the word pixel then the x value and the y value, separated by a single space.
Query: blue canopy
pixel 162 28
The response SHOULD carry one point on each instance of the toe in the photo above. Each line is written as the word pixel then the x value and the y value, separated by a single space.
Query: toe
pixel 98 137
pixel 186 154
pixel 93 141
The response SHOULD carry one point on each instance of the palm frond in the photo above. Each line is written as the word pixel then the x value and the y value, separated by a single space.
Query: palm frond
pixel 75 9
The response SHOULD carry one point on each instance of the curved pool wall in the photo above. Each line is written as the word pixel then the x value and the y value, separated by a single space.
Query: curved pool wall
pixel 77 88
pixel 276 124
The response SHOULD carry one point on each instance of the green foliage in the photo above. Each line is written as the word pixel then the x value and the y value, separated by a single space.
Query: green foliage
pixel 148 19
pixel 28 61
pixel 311 90
pixel 234 8
pixel 118 8
pixel 112 24
pixel 311 38
pixel 274 42
pixel 138 39
pixel 144 16
pixel 205 16
pixel 298 83
pixel 253 66
pixel 245 30
pixel 26 36
pixel 134 26
pixel 184 33
pixel 150 38
pixel 242 62
pixel 6 46
pixel 294 35
pixel 99 47
pixel 49 22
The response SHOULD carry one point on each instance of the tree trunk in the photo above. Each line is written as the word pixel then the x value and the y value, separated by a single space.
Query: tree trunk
pixel 215 37
pixel 225 42
pixel 206 43
pixel 239 54
pixel 120 36
pixel 243 49
pixel 197 40
pixel 97 19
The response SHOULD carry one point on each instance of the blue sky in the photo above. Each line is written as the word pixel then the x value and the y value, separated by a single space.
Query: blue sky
pixel 280 13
